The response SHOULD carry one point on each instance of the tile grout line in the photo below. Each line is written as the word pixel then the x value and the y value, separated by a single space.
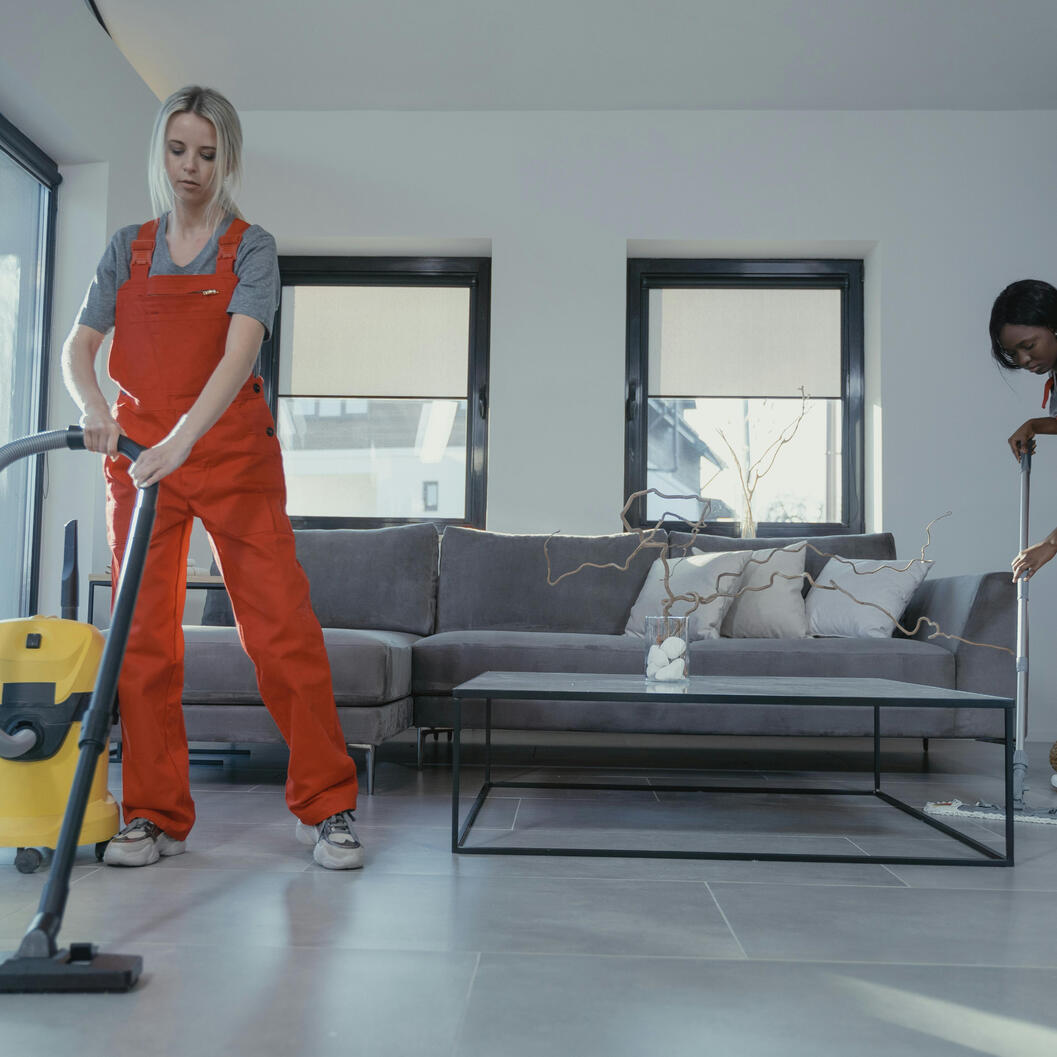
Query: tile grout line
pixel 726 920
pixel 457 1035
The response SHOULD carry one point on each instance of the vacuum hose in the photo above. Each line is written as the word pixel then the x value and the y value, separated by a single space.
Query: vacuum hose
pixel 12 746
pixel 18 744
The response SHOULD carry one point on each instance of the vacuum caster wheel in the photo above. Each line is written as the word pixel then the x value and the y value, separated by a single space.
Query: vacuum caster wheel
pixel 28 860
pixel 100 850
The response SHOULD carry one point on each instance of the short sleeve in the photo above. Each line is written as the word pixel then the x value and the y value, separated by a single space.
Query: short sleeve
pixel 97 309
pixel 257 267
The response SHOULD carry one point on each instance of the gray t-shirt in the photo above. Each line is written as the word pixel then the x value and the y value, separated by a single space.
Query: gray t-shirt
pixel 256 265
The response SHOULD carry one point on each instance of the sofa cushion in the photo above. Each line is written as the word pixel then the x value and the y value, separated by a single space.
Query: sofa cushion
pixel 362 578
pixel 498 581
pixel 444 660
pixel 367 667
pixel 820 548
pixel 924 662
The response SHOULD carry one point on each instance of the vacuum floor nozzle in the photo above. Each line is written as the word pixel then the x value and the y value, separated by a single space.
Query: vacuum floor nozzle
pixel 80 968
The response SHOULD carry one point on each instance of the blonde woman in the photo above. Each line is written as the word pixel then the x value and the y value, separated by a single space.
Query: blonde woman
pixel 190 296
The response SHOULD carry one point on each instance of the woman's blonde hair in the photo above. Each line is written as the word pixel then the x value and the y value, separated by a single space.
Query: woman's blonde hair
pixel 209 104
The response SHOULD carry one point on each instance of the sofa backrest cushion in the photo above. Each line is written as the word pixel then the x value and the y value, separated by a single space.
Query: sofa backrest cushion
pixel 498 581
pixel 383 579
pixel 880 545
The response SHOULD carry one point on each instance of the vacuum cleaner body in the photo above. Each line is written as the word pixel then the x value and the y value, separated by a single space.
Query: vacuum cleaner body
pixel 48 669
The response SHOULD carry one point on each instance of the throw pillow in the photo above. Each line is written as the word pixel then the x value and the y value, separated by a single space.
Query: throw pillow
pixel 876 585
pixel 703 574
pixel 769 603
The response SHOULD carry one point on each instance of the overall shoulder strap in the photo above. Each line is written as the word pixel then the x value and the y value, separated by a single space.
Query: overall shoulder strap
pixel 228 245
pixel 143 250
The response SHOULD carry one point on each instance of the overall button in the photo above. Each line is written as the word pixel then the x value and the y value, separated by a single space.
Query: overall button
pixel 270 431
pixel 256 387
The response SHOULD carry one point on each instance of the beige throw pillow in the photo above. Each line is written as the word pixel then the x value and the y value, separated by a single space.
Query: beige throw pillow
pixel 877 589
pixel 770 597
pixel 704 574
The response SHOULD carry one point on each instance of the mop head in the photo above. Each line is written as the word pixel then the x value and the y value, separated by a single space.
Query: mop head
pixel 991 811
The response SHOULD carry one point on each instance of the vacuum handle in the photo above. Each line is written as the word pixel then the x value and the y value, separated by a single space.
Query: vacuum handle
pixel 125 445
pixel 72 437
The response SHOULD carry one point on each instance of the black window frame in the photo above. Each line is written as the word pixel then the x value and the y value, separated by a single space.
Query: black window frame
pixel 475 273
pixel 845 274
pixel 25 153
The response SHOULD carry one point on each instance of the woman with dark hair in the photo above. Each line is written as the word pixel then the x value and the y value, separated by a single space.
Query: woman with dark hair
pixel 1024 337
pixel 190 295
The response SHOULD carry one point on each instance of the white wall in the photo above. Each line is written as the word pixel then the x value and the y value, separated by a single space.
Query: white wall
pixel 65 85
pixel 952 207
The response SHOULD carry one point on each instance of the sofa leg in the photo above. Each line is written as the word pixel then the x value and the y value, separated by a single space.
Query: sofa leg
pixel 424 732
pixel 369 749
pixel 925 746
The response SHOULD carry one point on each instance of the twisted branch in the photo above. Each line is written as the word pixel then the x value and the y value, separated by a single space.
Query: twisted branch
pixel 695 600
pixel 750 478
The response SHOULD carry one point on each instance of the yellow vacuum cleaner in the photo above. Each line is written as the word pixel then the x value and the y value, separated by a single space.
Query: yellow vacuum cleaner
pixel 48 669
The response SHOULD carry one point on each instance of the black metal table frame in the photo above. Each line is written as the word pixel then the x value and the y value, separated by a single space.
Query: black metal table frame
pixel 986 856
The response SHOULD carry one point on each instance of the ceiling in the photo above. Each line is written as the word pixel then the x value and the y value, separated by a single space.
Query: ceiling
pixel 597 54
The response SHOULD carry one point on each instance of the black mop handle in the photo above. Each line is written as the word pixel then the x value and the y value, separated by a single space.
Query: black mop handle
pixel 39 940
pixel 1022 605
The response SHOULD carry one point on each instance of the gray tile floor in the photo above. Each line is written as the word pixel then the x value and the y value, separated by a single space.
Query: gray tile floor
pixel 251 949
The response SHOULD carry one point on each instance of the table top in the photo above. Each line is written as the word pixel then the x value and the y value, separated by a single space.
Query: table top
pixel 723 689
pixel 205 580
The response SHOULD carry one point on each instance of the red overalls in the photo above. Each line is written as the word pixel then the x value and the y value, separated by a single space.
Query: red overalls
pixel 170 333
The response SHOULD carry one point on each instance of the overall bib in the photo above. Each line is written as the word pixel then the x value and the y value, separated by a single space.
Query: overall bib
pixel 170 333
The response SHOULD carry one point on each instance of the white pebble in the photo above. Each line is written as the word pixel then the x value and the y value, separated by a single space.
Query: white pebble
pixel 670 673
pixel 673 647
pixel 657 657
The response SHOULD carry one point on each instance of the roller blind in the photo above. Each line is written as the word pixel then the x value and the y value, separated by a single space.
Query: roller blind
pixel 759 342
pixel 374 341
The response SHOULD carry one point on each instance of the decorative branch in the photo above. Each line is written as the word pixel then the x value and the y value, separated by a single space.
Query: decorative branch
pixel 695 600
pixel 751 477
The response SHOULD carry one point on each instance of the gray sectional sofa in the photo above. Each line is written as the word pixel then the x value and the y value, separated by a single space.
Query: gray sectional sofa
pixel 407 617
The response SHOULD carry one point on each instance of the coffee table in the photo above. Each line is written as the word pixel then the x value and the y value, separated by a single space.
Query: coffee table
pixel 595 694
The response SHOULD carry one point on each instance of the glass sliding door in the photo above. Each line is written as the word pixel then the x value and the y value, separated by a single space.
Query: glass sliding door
pixel 28 179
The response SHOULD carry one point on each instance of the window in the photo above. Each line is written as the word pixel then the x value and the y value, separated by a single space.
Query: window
pixel 378 376
pixel 732 364
pixel 28 179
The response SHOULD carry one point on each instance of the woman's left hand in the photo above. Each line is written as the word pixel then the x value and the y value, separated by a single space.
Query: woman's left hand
pixel 158 462
pixel 1031 560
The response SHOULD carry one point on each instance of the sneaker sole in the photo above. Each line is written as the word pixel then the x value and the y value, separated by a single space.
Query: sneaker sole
pixel 326 856
pixel 306 834
pixel 147 853
pixel 331 859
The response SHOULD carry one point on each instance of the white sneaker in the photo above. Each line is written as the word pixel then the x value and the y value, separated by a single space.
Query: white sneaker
pixel 140 843
pixel 334 841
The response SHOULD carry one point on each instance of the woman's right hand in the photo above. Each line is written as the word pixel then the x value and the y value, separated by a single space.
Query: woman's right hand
pixel 1023 440
pixel 101 431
